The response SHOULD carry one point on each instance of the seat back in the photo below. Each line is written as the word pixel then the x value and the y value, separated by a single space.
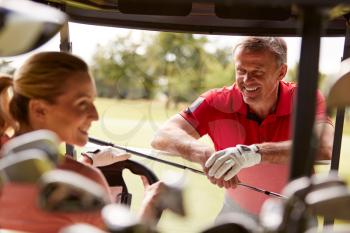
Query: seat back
pixel 114 176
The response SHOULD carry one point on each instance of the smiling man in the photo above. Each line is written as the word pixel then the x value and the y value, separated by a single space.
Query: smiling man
pixel 249 124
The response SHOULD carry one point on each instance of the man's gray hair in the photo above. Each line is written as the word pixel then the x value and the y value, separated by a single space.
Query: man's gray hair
pixel 276 45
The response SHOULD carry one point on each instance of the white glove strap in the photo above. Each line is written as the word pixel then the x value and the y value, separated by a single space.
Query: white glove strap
pixel 250 154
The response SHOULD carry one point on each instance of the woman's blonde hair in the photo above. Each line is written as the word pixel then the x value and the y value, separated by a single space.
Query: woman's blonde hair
pixel 6 121
pixel 42 76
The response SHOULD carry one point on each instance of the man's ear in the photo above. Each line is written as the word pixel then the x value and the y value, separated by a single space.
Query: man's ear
pixel 37 109
pixel 282 71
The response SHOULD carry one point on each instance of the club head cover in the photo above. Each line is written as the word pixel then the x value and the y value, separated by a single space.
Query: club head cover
pixel 332 202
pixel 234 223
pixel 172 199
pixel 68 191
pixel 119 219
pixel 41 139
pixel 81 228
pixel 271 214
pixel 26 166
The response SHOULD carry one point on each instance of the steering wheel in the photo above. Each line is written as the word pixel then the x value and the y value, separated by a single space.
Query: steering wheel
pixel 114 176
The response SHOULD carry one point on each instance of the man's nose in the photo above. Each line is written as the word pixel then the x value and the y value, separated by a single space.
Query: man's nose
pixel 246 77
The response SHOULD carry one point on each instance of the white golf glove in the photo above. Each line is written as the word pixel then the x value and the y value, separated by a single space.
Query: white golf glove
pixel 106 156
pixel 231 160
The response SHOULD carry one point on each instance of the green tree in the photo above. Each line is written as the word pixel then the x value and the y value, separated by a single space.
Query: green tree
pixel 292 76
pixel 174 64
pixel 181 64
pixel 221 71
pixel 120 69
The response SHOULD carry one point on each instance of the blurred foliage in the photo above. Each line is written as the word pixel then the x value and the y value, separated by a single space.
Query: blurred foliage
pixel 121 70
pixel 292 76
pixel 171 65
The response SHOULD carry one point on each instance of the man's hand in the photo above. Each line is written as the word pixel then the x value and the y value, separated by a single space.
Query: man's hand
pixel 107 156
pixel 228 162
pixel 232 183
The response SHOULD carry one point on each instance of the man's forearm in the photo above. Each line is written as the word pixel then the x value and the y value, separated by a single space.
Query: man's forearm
pixel 280 152
pixel 275 152
pixel 173 144
pixel 182 144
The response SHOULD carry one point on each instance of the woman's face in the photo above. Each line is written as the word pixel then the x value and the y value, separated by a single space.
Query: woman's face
pixel 71 115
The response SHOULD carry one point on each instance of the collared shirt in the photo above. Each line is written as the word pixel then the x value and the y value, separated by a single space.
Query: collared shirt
pixel 222 114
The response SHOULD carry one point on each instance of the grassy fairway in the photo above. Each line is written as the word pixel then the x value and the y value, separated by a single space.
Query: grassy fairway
pixel 133 123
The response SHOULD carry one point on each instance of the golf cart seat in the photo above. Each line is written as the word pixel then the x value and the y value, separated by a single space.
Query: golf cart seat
pixel 114 177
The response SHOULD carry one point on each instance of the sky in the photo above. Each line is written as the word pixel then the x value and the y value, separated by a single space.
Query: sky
pixel 86 37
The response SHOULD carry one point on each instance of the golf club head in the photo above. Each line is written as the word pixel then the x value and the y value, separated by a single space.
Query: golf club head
pixel 331 202
pixel 271 214
pixel 320 181
pixel 338 94
pixel 296 211
pixel 26 25
pixel 119 219
pixel 297 188
pixel 26 166
pixel 68 191
pixel 235 223
pixel 44 140
pixel 302 186
pixel 172 198
pixel 81 228
pixel 321 194
pixel 340 228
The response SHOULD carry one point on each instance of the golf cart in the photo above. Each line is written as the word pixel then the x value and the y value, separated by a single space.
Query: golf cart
pixel 308 19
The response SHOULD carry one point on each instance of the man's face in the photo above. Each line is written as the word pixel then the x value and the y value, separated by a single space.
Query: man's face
pixel 257 77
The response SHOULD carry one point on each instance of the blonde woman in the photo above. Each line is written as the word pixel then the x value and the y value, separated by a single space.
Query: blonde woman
pixel 53 91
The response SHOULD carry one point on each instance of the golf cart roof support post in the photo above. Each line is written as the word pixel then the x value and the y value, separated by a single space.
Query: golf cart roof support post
pixel 66 46
pixel 65 43
pixel 303 117
pixel 339 121
pixel 338 131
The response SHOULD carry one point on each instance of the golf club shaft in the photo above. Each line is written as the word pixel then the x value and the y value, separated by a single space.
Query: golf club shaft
pixel 103 143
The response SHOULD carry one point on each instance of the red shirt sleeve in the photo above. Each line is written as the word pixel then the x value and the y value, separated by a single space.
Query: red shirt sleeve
pixel 198 114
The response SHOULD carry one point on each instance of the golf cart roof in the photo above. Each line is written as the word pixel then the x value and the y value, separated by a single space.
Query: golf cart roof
pixel 240 17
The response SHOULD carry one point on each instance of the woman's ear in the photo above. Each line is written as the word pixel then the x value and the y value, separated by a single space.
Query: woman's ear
pixel 37 109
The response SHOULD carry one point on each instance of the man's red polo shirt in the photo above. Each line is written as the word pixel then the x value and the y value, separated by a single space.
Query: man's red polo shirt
pixel 222 114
